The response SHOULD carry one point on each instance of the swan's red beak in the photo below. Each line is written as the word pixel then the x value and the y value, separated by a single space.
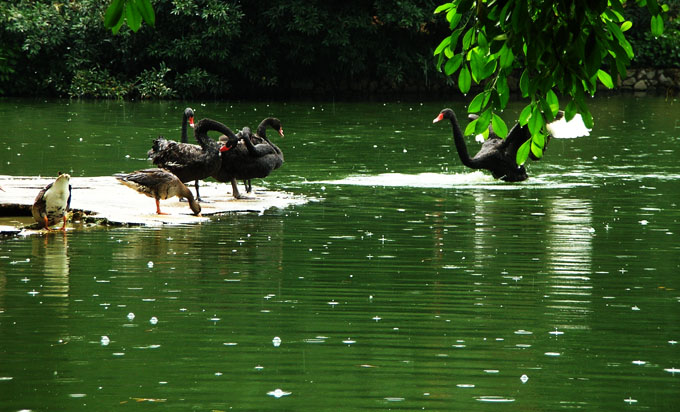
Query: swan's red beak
pixel 224 148
pixel 191 122
pixel 281 132
pixel 438 118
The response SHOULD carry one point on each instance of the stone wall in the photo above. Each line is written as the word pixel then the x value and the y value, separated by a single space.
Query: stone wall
pixel 650 79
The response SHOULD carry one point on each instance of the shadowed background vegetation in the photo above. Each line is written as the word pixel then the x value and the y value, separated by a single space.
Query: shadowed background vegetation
pixel 208 48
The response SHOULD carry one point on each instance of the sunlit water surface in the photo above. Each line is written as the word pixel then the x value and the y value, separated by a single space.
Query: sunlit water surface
pixel 407 282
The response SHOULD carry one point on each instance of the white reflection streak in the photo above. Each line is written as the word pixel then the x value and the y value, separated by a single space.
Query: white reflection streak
pixel 569 259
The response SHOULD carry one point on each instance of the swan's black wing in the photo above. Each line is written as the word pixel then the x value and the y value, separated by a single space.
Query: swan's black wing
pixel 515 138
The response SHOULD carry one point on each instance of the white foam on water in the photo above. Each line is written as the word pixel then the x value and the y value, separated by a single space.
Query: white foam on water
pixel 472 180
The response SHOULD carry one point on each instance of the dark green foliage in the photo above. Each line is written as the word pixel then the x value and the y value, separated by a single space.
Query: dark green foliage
pixel 227 49
pixel 558 46
pixel 218 48
pixel 655 51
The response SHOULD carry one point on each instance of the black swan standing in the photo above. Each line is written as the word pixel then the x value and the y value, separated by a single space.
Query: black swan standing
pixel 53 202
pixel 159 184
pixel 499 155
pixel 189 161
pixel 254 157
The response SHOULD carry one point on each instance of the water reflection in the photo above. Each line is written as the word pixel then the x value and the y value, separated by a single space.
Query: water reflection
pixel 52 251
pixel 569 261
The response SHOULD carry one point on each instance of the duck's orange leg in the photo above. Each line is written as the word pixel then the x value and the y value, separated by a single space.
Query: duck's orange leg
pixel 158 208
pixel 63 227
pixel 47 226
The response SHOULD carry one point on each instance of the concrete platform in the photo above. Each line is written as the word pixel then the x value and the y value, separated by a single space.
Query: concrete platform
pixel 104 200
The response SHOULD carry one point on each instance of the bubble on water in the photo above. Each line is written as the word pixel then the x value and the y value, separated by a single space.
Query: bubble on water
pixel 349 341
pixel 643 222
pixel 130 315
pixel 639 362
pixel 394 399
pixel 524 378
pixel 552 354
pixel 153 320
pixel 672 370
pixel 276 341
pixel 277 393
pixel 149 264
pixel 465 385
pixel 77 395
pixel 630 400
pixel 105 340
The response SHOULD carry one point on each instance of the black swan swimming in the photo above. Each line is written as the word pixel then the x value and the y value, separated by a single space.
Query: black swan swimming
pixel 499 155
pixel 159 184
pixel 189 161
pixel 254 157
pixel 53 202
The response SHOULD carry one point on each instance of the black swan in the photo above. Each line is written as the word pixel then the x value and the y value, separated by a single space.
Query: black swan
pixel 159 184
pixel 499 155
pixel 254 157
pixel 189 161
pixel 53 202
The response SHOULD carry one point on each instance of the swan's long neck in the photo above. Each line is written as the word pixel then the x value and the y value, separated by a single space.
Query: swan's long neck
pixel 185 138
pixel 252 150
pixel 202 128
pixel 459 140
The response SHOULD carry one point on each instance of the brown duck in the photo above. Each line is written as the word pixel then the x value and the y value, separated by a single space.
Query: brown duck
pixel 160 184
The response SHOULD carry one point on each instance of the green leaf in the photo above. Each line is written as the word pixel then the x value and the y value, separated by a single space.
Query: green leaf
pixel 524 83
pixel 536 121
pixel 523 152
pixel 476 64
pixel 134 19
pixel 468 38
pixel 444 43
pixel 477 103
pixel 536 150
pixel 483 121
pixel 626 25
pixel 570 111
pixel 525 115
pixel 657 25
pixel 114 13
pixel 453 18
pixel 470 128
pixel 506 57
pixel 146 10
pixel 503 91
pixel 443 7
pixel 464 80
pixel 538 141
pixel 453 64
pixel 499 126
pixel 605 78
pixel 553 102
pixel 593 56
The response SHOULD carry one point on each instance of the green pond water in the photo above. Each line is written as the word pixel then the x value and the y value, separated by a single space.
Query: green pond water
pixel 407 282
